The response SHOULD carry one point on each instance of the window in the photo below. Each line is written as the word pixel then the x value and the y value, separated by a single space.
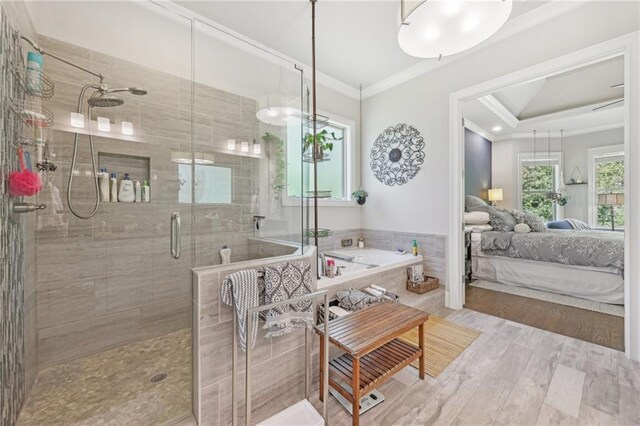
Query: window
pixel 333 173
pixel 213 184
pixel 606 176
pixel 539 174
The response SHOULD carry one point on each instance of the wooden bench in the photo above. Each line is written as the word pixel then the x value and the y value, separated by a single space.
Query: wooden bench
pixel 372 351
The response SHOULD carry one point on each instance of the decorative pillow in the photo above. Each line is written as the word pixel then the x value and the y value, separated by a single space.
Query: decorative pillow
pixel 354 300
pixel 535 222
pixel 477 218
pixel 521 228
pixel 471 203
pixel 502 220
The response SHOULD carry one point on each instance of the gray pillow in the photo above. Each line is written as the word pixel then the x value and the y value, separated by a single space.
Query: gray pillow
pixel 535 222
pixel 502 220
pixel 471 203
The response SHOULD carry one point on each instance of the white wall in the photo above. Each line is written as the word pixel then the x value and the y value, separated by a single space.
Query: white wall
pixel 574 153
pixel 422 204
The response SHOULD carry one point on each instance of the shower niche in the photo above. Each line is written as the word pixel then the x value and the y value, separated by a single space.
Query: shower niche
pixel 138 167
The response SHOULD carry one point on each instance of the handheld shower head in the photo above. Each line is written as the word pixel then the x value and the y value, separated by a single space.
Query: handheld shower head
pixel 138 91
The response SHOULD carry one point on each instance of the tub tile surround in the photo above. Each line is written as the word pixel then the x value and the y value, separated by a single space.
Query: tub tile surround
pixel 432 247
pixel 278 363
pixel 97 275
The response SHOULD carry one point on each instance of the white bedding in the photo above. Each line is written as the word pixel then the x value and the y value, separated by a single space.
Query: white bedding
pixel 599 284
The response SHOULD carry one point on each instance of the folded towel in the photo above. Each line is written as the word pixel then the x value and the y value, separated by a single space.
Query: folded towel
pixel 338 311
pixel 240 289
pixel 353 300
pixel 285 281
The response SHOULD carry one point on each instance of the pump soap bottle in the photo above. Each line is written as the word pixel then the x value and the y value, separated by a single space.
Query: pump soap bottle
pixel 126 193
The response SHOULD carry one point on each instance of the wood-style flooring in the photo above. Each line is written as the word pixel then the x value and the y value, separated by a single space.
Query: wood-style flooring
pixel 590 326
pixel 512 374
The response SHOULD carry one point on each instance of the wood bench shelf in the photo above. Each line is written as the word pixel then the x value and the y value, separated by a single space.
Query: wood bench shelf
pixel 375 367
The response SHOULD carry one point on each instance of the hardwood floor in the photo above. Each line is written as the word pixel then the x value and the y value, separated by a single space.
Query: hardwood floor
pixel 590 326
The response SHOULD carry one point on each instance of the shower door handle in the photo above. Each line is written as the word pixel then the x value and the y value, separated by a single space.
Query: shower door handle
pixel 175 235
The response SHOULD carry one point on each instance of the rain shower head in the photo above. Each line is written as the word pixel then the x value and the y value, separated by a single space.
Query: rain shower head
pixel 104 100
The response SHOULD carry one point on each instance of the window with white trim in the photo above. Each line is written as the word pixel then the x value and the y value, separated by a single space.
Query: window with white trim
pixel 333 172
pixel 606 177
pixel 537 175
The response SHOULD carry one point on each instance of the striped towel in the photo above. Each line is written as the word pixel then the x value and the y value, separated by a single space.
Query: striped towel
pixel 284 281
pixel 240 289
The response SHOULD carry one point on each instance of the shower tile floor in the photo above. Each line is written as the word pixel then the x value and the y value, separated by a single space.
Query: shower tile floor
pixel 114 387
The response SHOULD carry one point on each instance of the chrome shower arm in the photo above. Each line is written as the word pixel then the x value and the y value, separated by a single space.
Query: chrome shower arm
pixel 44 52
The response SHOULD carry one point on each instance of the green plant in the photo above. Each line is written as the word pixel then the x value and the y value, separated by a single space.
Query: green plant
pixel 324 139
pixel 277 143
pixel 360 193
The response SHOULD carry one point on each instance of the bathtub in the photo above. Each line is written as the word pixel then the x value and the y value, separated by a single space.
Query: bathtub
pixel 365 262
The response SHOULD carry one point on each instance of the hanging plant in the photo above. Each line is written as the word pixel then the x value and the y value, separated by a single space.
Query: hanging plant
pixel 324 142
pixel 360 195
pixel 271 140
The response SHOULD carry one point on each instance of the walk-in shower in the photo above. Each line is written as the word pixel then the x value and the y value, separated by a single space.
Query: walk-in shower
pixel 102 97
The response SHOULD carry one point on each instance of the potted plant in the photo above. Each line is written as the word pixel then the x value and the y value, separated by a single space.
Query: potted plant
pixel 360 195
pixel 324 142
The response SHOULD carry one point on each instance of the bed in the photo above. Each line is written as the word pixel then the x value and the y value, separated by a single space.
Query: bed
pixel 580 263
pixel 591 277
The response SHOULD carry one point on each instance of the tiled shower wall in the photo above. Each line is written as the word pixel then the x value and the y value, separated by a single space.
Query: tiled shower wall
pixel 18 344
pixel 109 280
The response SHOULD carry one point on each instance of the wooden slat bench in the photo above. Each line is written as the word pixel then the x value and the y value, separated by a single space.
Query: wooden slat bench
pixel 372 351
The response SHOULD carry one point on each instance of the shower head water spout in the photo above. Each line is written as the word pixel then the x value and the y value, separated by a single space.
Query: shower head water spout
pixel 104 100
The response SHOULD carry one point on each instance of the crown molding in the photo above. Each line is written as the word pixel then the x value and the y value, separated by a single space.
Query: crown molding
pixel 556 134
pixel 470 125
pixel 521 23
pixel 495 106
pixel 259 49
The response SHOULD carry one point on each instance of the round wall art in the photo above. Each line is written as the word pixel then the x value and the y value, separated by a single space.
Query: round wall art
pixel 397 154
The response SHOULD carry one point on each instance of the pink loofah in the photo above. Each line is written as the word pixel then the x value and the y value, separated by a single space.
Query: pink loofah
pixel 24 182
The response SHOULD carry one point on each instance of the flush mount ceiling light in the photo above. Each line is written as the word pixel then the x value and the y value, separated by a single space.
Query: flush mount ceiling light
pixel 496 128
pixel 276 110
pixel 437 28
pixel 184 157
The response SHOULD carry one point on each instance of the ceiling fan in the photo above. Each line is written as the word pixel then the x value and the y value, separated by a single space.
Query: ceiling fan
pixel 615 86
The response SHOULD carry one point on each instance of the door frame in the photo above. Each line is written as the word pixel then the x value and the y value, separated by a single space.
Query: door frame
pixel 626 46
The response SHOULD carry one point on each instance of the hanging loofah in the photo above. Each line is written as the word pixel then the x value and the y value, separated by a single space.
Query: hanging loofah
pixel 24 182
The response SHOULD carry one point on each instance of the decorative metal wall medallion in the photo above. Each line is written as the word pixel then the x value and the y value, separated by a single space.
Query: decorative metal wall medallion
pixel 397 154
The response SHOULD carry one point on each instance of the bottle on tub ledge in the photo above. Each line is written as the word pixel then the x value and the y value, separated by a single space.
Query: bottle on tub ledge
pixel 225 254
pixel 126 193
pixel 414 247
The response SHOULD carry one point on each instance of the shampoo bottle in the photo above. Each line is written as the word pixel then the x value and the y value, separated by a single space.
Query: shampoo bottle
pixel 126 193
pixel 34 73
pixel 138 190
pixel 225 254
pixel 114 188
pixel 146 197
pixel 103 184
pixel 414 247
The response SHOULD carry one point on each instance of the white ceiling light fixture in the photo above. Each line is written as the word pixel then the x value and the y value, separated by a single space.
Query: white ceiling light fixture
pixel 437 28
pixel 277 110
pixel 497 128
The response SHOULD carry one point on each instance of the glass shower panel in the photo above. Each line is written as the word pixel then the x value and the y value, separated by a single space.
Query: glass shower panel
pixel 248 110
pixel 112 289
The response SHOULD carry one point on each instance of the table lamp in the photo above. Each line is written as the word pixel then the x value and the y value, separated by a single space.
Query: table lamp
pixel 495 194
pixel 611 200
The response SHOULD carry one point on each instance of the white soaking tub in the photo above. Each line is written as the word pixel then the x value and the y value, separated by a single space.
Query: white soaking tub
pixel 365 262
